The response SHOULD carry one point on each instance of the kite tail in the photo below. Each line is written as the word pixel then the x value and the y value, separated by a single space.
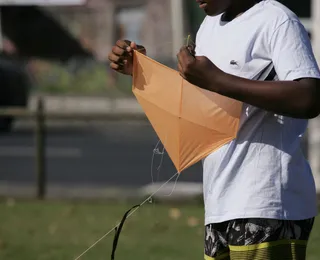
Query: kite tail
pixel 118 231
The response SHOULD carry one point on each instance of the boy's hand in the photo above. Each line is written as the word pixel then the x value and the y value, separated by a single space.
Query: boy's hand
pixel 198 70
pixel 121 56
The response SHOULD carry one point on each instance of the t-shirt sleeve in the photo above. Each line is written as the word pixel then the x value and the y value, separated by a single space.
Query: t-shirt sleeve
pixel 292 53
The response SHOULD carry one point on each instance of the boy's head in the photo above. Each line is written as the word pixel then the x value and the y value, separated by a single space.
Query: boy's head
pixel 216 7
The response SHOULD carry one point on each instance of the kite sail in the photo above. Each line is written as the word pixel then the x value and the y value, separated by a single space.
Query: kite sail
pixel 190 122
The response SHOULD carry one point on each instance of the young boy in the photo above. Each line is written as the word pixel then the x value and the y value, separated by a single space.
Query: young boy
pixel 259 191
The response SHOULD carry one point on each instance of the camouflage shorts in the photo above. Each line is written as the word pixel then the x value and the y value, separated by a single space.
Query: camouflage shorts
pixel 257 239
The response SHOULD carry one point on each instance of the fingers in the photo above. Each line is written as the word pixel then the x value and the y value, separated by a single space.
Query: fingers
pixel 126 47
pixel 122 48
pixel 119 55
pixel 117 62
pixel 116 66
pixel 115 58
pixel 191 48
pixel 123 44
pixel 139 48
pixel 116 50
pixel 185 59
pixel 133 46
pixel 185 56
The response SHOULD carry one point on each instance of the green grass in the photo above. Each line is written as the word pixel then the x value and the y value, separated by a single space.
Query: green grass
pixel 90 79
pixel 32 230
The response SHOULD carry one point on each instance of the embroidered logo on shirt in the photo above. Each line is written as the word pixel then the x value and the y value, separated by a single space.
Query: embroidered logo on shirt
pixel 233 62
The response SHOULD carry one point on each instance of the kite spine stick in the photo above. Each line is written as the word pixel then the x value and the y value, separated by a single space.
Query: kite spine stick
pixel 180 116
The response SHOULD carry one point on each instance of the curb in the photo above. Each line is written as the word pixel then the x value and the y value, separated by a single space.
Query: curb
pixel 170 192
pixel 87 105
pixel 182 192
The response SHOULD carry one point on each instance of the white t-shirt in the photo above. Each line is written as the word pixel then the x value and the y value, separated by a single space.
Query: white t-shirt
pixel 262 173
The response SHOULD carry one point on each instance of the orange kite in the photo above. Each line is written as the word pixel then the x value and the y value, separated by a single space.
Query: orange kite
pixel 190 122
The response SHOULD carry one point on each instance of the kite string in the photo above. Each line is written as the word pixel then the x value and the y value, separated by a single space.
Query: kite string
pixel 141 204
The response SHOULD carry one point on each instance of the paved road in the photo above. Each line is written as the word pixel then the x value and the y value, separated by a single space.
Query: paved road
pixel 114 153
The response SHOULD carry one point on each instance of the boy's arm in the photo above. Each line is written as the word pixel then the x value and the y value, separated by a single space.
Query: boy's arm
pixel 299 99
pixel 297 94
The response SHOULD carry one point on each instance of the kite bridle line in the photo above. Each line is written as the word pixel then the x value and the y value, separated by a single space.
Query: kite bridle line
pixel 156 151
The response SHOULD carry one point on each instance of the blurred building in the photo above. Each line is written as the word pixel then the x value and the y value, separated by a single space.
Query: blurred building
pixel 100 23
pixel 160 25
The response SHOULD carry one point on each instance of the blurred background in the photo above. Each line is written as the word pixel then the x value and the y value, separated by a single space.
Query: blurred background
pixel 75 147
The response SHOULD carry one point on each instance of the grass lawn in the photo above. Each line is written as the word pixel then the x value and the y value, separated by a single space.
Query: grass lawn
pixel 32 230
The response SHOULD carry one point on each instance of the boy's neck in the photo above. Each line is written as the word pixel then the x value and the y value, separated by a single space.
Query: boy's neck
pixel 237 8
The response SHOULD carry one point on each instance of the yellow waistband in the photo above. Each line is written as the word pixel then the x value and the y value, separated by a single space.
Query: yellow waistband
pixel 268 244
